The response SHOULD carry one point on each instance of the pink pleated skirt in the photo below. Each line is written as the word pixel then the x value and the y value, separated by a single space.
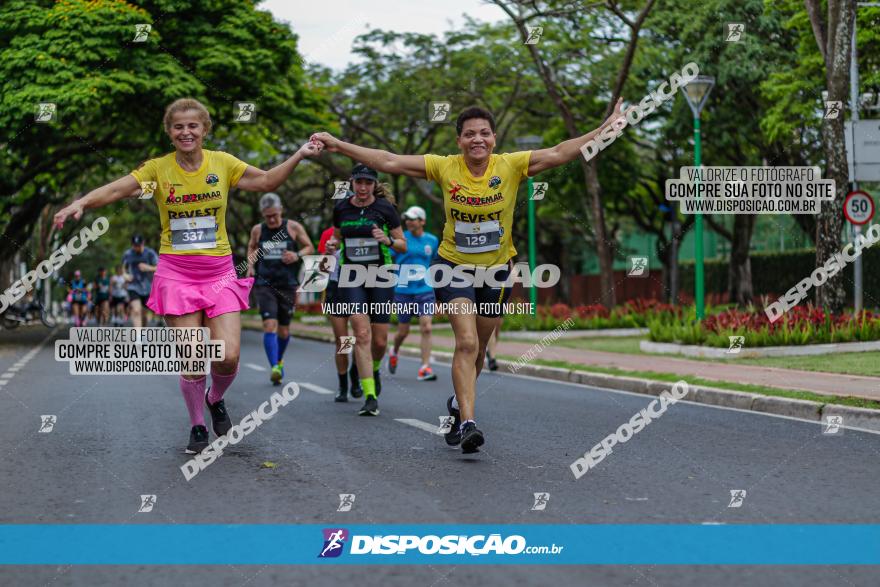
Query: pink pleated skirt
pixel 184 284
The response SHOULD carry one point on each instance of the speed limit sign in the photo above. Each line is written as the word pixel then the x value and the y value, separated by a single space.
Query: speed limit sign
pixel 858 207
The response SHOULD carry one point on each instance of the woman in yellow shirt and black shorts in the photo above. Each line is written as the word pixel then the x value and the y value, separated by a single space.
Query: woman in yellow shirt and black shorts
pixel 479 194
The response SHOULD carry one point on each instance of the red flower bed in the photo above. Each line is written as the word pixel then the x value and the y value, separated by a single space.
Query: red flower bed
pixel 795 318
pixel 639 306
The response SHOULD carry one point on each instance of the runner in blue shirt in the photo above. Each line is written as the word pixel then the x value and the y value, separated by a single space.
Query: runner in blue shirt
pixel 413 290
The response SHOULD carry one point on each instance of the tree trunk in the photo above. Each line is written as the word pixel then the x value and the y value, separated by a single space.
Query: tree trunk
pixel 604 251
pixel 739 275
pixel 664 253
pixel 834 40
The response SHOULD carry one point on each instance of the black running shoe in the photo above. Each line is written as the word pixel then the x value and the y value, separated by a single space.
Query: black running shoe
pixel 220 421
pixel 356 390
pixel 378 383
pixel 493 364
pixel 198 440
pixel 453 437
pixel 471 438
pixel 341 396
pixel 371 407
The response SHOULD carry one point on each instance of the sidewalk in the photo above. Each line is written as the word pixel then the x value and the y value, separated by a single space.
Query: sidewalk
pixel 790 379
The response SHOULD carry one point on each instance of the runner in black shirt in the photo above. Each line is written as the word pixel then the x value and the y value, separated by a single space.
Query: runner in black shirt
pixel 274 257
pixel 368 227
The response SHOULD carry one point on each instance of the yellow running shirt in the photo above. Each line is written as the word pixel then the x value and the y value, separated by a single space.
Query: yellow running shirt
pixel 192 205
pixel 479 210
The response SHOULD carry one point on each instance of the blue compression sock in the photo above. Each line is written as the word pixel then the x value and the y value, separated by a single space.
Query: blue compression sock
pixel 270 343
pixel 282 346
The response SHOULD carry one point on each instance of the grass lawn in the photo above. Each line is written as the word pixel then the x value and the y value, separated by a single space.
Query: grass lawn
pixel 867 364
pixel 612 344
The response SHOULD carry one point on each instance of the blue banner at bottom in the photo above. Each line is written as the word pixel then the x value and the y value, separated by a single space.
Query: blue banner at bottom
pixel 612 544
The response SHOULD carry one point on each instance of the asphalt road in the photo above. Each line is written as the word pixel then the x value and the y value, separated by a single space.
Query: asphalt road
pixel 116 438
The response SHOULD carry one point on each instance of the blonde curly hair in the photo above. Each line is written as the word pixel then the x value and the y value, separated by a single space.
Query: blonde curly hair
pixel 182 105
pixel 383 190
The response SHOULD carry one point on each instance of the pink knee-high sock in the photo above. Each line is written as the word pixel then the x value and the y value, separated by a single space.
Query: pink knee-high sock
pixel 219 384
pixel 194 395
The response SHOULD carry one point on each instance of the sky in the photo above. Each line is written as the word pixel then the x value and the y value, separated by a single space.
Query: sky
pixel 326 28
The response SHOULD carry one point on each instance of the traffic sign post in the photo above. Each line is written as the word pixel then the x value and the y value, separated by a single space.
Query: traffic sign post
pixel 858 208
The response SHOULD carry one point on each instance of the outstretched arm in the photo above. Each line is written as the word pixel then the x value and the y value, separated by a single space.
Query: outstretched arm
pixel 567 151
pixel 384 161
pixel 124 187
pixel 257 180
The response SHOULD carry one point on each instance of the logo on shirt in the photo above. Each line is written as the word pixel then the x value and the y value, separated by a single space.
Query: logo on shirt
pixel 192 198
pixel 494 181
pixel 428 250
pixel 455 189
pixel 212 179
pixel 477 200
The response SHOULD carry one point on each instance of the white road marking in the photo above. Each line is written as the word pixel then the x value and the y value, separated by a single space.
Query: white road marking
pixel 317 388
pixel 432 428
pixel 23 361
pixel 255 367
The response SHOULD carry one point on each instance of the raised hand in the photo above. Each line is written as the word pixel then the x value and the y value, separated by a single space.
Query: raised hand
pixel 75 210
pixel 619 111
pixel 311 148
pixel 330 142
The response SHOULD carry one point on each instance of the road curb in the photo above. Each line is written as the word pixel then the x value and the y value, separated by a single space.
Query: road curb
pixel 782 406
pixel 807 350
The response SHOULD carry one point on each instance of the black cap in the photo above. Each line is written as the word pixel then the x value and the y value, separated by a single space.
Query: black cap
pixel 361 171
pixel 137 240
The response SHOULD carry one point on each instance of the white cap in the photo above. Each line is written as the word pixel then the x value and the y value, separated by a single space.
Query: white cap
pixel 414 212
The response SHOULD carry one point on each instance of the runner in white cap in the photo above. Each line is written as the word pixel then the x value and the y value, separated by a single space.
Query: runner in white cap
pixel 413 295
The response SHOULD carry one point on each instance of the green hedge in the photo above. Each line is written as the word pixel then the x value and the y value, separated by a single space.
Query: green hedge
pixel 776 273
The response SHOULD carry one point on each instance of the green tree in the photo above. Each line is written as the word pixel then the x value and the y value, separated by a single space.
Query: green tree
pixel 111 92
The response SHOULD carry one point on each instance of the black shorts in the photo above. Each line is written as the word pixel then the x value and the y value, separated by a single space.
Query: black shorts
pixel 118 300
pixel 368 298
pixel 133 295
pixel 276 303
pixel 329 296
pixel 489 300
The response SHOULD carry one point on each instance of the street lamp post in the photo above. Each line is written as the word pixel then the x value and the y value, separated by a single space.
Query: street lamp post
pixel 530 143
pixel 696 93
